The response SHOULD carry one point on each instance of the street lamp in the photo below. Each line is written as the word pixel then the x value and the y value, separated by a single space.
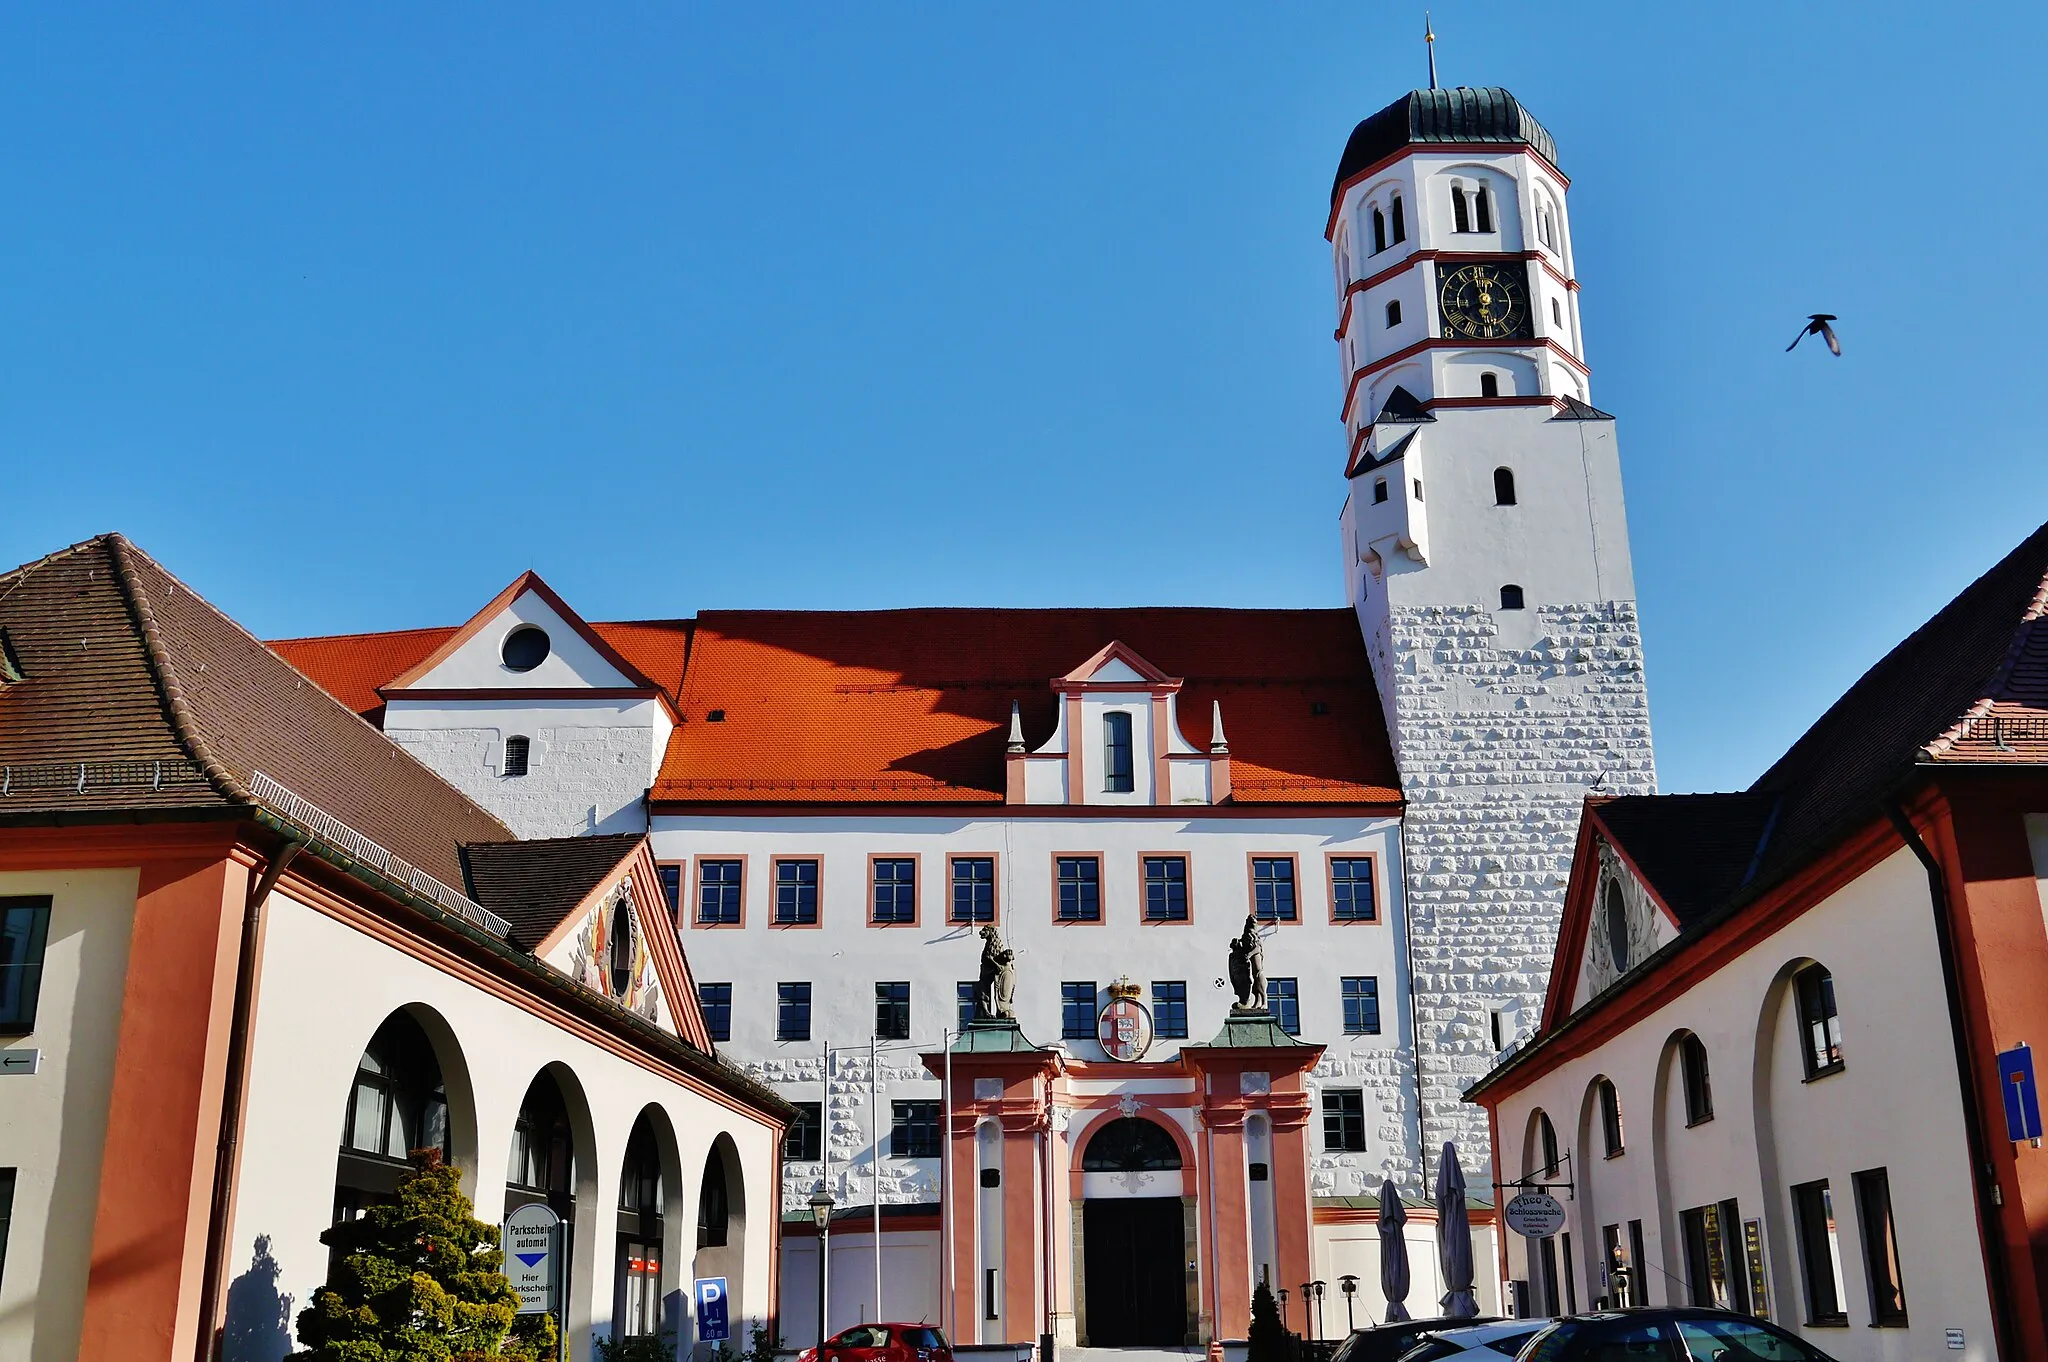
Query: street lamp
pixel 1282 1293
pixel 821 1216
pixel 1350 1284
pixel 1320 1288
pixel 1308 1308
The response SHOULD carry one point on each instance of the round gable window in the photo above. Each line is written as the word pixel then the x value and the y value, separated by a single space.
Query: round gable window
pixel 526 648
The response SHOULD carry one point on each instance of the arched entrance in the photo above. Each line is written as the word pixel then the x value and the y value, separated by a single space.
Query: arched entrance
pixel 1133 1238
pixel 644 1197
pixel 397 1105
pixel 722 1225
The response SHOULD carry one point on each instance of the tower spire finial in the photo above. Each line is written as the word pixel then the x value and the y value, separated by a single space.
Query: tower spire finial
pixel 1429 42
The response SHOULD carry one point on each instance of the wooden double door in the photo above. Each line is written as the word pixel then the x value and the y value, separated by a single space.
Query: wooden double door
pixel 1136 1280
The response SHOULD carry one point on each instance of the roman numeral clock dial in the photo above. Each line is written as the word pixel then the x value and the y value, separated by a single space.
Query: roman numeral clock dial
pixel 1483 302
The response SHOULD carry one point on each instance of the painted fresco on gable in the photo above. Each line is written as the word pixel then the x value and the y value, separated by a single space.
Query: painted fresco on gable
pixel 591 959
pixel 1624 928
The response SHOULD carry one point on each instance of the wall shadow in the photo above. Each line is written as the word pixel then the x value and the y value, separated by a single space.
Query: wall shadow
pixel 258 1323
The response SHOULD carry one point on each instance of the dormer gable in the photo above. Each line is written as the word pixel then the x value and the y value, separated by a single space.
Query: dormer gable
pixel 1614 920
pixel 1117 741
pixel 526 642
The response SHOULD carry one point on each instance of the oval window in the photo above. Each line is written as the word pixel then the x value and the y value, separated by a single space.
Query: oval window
pixel 622 951
pixel 526 648
pixel 1617 926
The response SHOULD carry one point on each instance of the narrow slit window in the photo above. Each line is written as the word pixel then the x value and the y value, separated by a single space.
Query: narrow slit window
pixel 518 753
pixel 1610 1119
pixel 1556 313
pixel 1699 1090
pixel 1820 1254
pixel 1461 215
pixel 1379 231
pixel 1400 221
pixel 1489 384
pixel 1483 204
pixel 1116 753
pixel 1880 1248
pixel 1394 313
pixel 1379 490
pixel 1511 597
pixel 1503 486
pixel 1418 489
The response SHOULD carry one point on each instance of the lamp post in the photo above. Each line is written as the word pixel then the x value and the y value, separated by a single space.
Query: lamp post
pixel 821 1215
pixel 1320 1287
pixel 1282 1293
pixel 1349 1282
pixel 1308 1310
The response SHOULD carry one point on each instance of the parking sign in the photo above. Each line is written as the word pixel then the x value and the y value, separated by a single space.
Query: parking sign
pixel 711 1322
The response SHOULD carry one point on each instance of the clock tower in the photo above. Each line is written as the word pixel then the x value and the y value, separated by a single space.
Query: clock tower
pixel 1486 554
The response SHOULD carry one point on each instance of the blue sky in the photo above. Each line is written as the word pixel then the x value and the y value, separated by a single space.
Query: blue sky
pixel 350 313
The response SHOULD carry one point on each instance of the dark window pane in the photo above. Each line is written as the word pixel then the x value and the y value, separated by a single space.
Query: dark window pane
pixel 518 754
pixel 793 1012
pixel 6 1213
pixel 892 1011
pixel 1283 998
pixel 1821 1027
pixel 1116 752
pixel 1170 1009
pixel 895 890
pixel 1699 1092
pixel 24 927
pixel 1273 889
pixel 1400 220
pixel 1344 1120
pixel 914 1130
pixel 672 888
pixel 1166 889
pixel 804 1141
pixel 1351 891
pixel 974 889
pixel 1077 1010
pixel 718 893
pixel 796 893
pixel 964 994
pixel 1880 1247
pixel 1080 889
pixel 716 1002
pixel 1503 487
pixel 1361 1005
pixel 1820 1262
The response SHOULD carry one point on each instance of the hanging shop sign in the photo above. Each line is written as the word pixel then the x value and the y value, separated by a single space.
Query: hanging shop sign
pixel 1535 1214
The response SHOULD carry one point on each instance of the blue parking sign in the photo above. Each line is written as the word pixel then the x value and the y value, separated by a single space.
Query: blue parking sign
pixel 711 1322
pixel 2022 1099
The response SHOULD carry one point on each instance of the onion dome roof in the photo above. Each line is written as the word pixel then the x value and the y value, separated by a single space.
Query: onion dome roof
pixel 1446 118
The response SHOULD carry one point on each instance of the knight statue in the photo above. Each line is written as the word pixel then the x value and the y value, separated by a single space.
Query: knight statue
pixel 995 994
pixel 1248 968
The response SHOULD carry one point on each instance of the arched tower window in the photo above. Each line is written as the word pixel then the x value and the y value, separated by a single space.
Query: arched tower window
pixel 1400 221
pixel 1483 203
pixel 518 752
pixel 1461 215
pixel 1394 313
pixel 1379 230
pixel 1344 261
pixel 1699 1092
pixel 1116 753
pixel 1511 597
pixel 1489 384
pixel 1610 1117
pixel 1503 486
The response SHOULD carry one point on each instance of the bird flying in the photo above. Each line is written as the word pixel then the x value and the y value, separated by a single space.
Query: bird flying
pixel 1817 325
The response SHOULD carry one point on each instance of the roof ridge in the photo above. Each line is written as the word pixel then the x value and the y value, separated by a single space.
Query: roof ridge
pixel 184 727
pixel 366 633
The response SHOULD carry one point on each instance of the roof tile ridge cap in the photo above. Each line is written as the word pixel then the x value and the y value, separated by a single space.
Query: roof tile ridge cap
pixel 184 724
pixel 2030 620
pixel 272 643
pixel 236 625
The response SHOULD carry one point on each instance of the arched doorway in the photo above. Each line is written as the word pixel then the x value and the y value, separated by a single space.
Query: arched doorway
pixel 643 1234
pixel 541 1167
pixel 1133 1237
pixel 397 1105
pixel 722 1225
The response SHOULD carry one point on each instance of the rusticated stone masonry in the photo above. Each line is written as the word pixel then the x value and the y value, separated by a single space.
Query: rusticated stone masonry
pixel 1499 747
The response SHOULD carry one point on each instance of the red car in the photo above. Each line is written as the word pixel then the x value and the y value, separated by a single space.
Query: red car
pixel 883 1343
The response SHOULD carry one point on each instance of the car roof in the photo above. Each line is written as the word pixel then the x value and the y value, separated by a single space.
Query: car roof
pixel 1492 1329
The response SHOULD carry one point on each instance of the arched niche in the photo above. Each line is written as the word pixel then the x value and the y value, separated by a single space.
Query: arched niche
pixel 552 1159
pixel 721 1221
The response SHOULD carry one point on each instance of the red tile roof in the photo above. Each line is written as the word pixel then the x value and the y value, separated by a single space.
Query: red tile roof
pixel 891 706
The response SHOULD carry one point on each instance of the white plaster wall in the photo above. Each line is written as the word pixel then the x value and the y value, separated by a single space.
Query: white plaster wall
pixel 53 1124
pixel 844 958
pixel 912 1265
pixel 480 662
pixel 324 990
pixel 590 764
pixel 1772 1129
pixel 1356 1249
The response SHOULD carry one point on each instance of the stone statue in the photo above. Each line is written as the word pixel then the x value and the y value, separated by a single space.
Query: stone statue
pixel 1248 968
pixel 995 995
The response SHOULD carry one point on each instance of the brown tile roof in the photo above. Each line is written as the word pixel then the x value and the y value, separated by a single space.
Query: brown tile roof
pixel 124 666
pixel 914 705
pixel 535 884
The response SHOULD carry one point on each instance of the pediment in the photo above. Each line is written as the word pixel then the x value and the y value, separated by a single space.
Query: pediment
pixel 1117 665
pixel 1625 925
pixel 526 639
pixel 655 976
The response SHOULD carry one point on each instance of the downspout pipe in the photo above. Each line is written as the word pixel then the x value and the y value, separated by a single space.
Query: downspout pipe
pixel 236 1081
pixel 1983 1180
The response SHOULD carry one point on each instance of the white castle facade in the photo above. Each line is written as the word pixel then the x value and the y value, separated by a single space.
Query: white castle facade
pixel 841 801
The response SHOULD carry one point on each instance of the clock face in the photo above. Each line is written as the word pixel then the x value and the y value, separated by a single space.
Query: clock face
pixel 1483 301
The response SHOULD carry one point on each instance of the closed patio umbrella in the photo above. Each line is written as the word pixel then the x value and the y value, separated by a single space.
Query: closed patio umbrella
pixel 1454 1236
pixel 1393 1252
